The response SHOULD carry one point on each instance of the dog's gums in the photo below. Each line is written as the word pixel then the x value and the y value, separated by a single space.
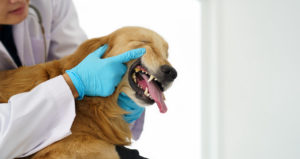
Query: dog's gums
pixel 147 86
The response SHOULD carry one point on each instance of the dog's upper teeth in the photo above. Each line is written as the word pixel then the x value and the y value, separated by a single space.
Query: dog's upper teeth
pixel 145 72
pixel 151 78
pixel 134 77
pixel 137 69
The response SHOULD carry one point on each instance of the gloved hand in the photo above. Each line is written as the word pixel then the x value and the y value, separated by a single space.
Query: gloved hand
pixel 127 104
pixel 94 76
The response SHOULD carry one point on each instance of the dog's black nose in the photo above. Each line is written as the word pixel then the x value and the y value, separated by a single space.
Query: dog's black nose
pixel 169 72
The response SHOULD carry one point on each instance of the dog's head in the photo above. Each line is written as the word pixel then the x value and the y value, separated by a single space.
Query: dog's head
pixel 147 77
pixel 150 75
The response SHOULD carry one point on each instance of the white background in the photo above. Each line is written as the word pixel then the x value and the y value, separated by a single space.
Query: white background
pixel 252 79
pixel 175 134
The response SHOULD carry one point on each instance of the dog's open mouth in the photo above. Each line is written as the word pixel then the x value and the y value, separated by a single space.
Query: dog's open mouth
pixel 147 86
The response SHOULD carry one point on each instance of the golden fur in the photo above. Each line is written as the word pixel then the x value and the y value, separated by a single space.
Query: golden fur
pixel 98 124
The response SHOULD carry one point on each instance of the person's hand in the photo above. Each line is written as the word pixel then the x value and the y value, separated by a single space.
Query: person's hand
pixel 130 106
pixel 98 77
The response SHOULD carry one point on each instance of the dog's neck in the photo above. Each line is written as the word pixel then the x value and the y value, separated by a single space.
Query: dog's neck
pixel 107 116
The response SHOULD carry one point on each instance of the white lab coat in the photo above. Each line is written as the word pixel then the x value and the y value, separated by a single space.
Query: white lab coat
pixel 30 121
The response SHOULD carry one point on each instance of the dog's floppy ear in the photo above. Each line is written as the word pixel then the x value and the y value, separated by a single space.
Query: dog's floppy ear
pixel 84 50
pixel 90 46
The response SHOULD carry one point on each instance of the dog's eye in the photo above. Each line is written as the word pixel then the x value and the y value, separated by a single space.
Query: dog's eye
pixel 145 41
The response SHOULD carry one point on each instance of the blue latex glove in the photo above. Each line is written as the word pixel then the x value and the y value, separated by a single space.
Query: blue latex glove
pixel 94 76
pixel 127 104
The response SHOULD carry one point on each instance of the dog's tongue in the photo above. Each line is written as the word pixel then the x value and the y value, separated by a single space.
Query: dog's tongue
pixel 156 94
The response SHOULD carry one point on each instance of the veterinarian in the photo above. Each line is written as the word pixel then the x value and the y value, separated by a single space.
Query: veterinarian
pixel 43 31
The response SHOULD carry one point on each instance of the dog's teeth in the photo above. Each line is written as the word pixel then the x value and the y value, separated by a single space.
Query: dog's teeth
pixel 134 77
pixel 145 72
pixel 137 69
pixel 146 91
pixel 140 87
pixel 151 78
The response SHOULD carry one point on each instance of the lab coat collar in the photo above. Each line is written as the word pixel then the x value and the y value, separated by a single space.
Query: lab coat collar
pixel 6 62
pixel 23 42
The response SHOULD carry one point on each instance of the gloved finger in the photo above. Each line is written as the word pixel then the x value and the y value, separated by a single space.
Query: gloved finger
pixel 126 99
pixel 100 51
pixel 119 75
pixel 130 55
pixel 122 95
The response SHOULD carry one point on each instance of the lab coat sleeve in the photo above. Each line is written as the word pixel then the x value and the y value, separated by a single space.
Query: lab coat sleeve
pixel 33 120
pixel 66 33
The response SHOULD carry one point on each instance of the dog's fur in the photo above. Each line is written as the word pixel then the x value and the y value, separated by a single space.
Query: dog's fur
pixel 99 124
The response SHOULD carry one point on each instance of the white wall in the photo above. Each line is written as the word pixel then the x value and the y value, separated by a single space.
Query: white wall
pixel 251 75
pixel 176 134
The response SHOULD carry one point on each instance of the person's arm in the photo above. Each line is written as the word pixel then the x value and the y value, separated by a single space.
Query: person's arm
pixel 31 121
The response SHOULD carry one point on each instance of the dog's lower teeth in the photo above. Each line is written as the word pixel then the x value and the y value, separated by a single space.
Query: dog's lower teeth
pixel 146 92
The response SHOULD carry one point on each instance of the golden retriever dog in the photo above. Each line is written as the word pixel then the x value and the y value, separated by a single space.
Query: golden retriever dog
pixel 99 125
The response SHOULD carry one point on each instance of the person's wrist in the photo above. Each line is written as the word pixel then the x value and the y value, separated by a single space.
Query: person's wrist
pixel 71 85
pixel 78 84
